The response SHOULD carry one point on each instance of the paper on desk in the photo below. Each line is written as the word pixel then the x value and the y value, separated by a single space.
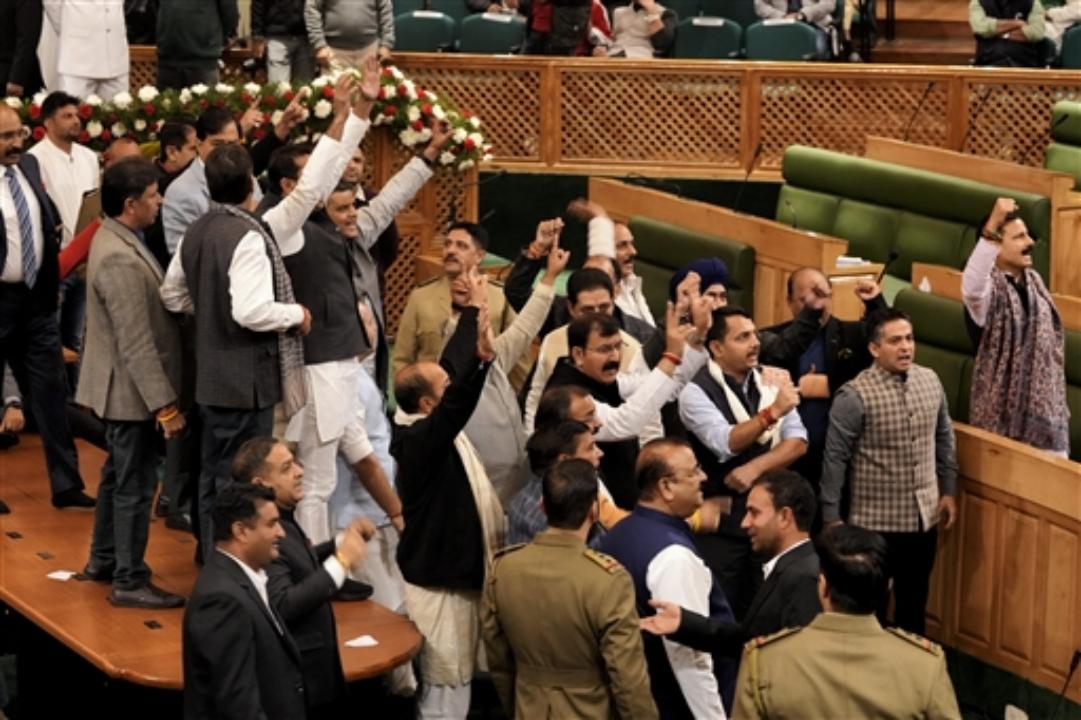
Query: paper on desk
pixel 362 641
pixel 62 575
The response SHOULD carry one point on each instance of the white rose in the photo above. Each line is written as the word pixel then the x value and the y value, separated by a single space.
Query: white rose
pixel 140 125
pixel 93 100
pixel 185 96
pixel 13 102
pixel 426 134
pixel 122 101
pixel 413 113
pixel 119 129
pixel 199 89
pixel 475 122
pixel 446 158
pixel 322 109
pixel 410 89
pixel 460 135
pixel 283 87
pixel 223 88
pixel 253 89
pixel 39 97
pixel 147 93
pixel 431 96
pixel 276 116
pixel 438 112
pixel 396 73
pixel 93 128
pixel 465 164
pixel 477 138
pixel 409 137
pixel 320 81
pixel 487 157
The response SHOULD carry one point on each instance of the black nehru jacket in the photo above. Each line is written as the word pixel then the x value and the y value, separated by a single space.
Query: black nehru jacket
pixel 237 368
pixel 322 282
pixel 443 544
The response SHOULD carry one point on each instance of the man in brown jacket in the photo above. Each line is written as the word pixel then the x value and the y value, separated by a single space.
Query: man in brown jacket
pixel 559 622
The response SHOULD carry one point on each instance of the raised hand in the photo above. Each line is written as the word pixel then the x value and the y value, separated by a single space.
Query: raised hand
pixel 585 210
pixel 344 88
pixel 293 115
pixel 485 344
pixel 442 133
pixel 557 259
pixel 867 290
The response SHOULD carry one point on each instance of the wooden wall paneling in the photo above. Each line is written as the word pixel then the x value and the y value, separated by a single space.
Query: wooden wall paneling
pixel 1069 308
pixel 1017 606
pixel 1060 614
pixel 1066 256
pixel 977 572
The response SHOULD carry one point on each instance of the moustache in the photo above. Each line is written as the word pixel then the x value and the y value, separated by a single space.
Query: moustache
pixel 610 365
pixel 1027 251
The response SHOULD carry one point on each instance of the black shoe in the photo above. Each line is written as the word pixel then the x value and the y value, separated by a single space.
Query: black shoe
pixel 8 440
pixel 148 596
pixel 4 509
pixel 354 590
pixel 178 521
pixel 99 573
pixel 74 498
pixel 161 507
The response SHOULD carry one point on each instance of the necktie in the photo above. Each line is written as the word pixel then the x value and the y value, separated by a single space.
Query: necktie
pixel 26 229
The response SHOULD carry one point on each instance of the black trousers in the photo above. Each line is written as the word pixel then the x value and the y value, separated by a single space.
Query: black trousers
pixel 911 558
pixel 182 76
pixel 224 431
pixel 30 344
pixel 736 566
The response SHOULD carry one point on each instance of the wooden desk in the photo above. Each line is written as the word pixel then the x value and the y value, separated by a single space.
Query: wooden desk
pixel 118 640
pixel 846 304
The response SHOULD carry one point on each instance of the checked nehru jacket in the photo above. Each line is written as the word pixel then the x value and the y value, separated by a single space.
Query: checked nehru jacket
pixel 892 473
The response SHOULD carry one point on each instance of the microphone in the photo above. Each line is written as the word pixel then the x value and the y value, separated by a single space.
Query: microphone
pixel 747 177
pixel 885 266
pixel 919 106
pixel 972 121
pixel 654 183
pixel 453 214
pixel 795 216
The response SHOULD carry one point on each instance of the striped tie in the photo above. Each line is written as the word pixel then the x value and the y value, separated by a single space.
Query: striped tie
pixel 26 229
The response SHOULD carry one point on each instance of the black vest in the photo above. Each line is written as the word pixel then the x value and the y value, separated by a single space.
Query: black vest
pixel 1000 52
pixel 237 368
pixel 716 471
pixel 322 282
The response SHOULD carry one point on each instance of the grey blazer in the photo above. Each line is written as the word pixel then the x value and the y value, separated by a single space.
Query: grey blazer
pixel 131 356
pixel 817 12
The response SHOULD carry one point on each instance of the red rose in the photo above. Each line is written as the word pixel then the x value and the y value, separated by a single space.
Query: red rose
pixel 219 103
pixel 203 104
pixel 469 145
pixel 426 108
pixel 328 92
pixel 85 111
pixel 84 136
pixel 35 112
pixel 288 96
pixel 387 73
pixel 268 101
pixel 382 93
pixel 245 98
pixel 418 125
pixel 39 132
pixel 390 111
pixel 148 109
pixel 403 90
pixel 106 136
pixel 260 133
pixel 266 117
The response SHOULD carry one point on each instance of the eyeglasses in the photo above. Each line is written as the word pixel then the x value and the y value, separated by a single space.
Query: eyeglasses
pixel 20 133
pixel 607 349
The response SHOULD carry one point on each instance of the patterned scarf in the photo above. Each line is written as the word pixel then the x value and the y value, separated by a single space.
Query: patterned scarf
pixel 1019 378
pixel 290 345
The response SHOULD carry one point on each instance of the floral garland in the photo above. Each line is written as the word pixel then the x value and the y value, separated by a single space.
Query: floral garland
pixel 402 106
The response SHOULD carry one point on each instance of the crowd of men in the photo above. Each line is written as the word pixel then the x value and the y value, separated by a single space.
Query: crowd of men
pixel 603 527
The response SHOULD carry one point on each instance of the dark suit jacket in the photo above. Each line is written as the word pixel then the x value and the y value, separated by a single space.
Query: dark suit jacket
pixel 236 663
pixel 788 598
pixel 20 30
pixel 300 590
pixel 45 288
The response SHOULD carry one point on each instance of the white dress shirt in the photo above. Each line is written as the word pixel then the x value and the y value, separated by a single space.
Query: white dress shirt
pixel 678 575
pixel 251 279
pixel 13 263
pixel 767 568
pixel 258 580
pixel 67 178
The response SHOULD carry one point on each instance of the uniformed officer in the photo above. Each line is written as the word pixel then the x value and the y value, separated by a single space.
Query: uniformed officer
pixel 559 623
pixel 423 328
pixel 843 664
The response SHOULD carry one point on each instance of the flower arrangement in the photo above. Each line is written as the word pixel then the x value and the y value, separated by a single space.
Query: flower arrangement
pixel 402 106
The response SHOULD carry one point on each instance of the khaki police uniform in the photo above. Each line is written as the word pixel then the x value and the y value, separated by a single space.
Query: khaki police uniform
pixel 424 327
pixel 844 666
pixel 561 633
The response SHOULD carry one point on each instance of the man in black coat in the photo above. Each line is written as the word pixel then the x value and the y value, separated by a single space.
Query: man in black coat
pixel 780 508
pixel 837 354
pixel 29 277
pixel 239 659
pixel 20 30
pixel 303 579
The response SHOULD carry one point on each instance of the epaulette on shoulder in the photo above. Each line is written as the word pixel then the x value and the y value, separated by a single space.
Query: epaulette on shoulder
pixel 918 640
pixel 506 550
pixel 607 563
pixel 767 639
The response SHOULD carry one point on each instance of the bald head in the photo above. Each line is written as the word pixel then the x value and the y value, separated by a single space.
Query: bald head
pixel 120 148
pixel 419 387
pixel 808 282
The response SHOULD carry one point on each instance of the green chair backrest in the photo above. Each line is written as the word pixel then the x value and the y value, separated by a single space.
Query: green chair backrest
pixel 1071 48
pixel 708 38
pixel 423 31
pixel 781 41
pixel 491 33
pixel 456 9
pixel 684 8
pixel 402 7
pixel 741 11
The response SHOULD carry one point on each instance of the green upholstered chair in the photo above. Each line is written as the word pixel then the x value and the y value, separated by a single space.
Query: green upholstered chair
pixel 684 8
pixel 423 31
pixel 781 41
pixel 456 9
pixel 407 6
pixel 708 38
pixel 1070 58
pixel 491 33
pixel 740 11
pixel 1064 152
